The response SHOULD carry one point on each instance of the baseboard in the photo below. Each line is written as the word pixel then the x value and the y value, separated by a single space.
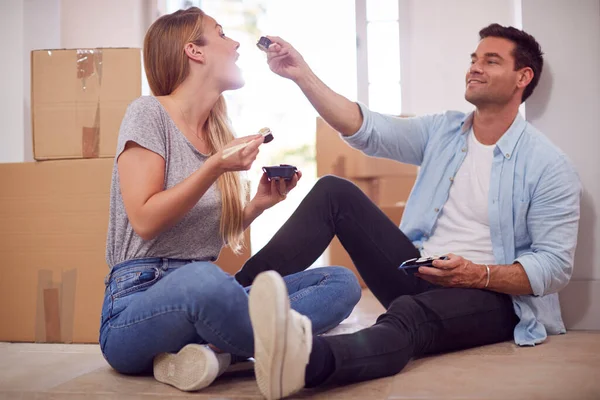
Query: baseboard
pixel 580 304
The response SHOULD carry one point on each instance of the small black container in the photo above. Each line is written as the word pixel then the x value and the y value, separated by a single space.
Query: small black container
pixel 283 171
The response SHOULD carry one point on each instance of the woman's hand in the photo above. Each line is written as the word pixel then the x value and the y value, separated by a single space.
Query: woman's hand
pixel 242 159
pixel 272 192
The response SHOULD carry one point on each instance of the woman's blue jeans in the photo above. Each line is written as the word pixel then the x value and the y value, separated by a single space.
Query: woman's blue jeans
pixel 157 305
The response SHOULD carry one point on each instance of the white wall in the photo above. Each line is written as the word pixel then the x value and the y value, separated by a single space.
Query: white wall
pixel 27 25
pixel 107 23
pixel 41 30
pixel 566 107
pixel 11 71
pixel 437 39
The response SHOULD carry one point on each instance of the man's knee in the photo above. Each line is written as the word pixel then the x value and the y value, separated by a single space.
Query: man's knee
pixel 405 313
pixel 335 184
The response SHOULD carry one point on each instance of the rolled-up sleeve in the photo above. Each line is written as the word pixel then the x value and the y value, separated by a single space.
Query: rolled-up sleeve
pixel 386 136
pixel 552 222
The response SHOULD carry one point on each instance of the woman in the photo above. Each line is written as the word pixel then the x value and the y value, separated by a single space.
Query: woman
pixel 175 201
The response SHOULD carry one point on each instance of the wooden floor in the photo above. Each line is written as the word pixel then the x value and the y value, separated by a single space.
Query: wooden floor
pixel 565 367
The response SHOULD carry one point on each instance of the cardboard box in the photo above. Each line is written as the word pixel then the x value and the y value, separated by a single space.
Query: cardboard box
pixel 232 263
pixel 52 238
pixel 340 257
pixel 54 220
pixel 336 157
pixel 78 99
pixel 387 190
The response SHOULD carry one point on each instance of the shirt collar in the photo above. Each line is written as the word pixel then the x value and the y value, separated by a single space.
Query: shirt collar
pixel 509 139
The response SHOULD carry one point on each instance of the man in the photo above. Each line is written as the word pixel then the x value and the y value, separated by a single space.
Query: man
pixel 493 193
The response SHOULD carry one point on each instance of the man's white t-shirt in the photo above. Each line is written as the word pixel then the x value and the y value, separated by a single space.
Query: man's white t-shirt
pixel 463 226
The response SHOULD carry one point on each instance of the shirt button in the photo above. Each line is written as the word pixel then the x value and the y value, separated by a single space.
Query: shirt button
pixel 436 209
pixel 507 155
pixel 451 179
pixel 464 149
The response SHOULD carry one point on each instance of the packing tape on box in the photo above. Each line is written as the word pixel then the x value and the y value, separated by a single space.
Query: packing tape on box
pixel 89 66
pixel 52 315
pixel 55 311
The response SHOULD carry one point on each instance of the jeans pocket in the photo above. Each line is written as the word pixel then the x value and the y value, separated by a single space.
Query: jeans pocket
pixel 135 280
pixel 128 283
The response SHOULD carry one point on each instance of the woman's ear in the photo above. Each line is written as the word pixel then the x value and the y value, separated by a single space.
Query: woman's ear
pixel 194 52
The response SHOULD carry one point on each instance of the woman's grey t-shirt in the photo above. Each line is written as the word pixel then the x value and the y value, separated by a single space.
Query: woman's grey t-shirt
pixel 195 237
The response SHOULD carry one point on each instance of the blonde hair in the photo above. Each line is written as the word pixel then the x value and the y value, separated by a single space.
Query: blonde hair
pixel 167 66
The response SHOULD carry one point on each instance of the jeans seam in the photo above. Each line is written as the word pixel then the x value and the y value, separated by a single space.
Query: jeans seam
pixel 111 326
pixel 306 291
pixel 137 263
pixel 456 316
pixel 214 332
pixel 137 321
pixel 325 274
pixel 385 254
pixel 134 289
pixel 353 220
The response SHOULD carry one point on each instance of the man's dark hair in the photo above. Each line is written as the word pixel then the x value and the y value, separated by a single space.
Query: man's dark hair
pixel 527 51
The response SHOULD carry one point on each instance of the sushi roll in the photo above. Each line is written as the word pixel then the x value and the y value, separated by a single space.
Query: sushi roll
pixel 267 134
pixel 264 43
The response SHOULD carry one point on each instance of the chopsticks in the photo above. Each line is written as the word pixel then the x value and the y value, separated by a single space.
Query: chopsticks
pixel 232 150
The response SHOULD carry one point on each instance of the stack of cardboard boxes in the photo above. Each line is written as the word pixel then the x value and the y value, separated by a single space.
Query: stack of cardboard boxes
pixel 54 211
pixel 386 182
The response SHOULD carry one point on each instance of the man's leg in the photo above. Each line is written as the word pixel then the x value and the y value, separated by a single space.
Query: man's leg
pixel 333 207
pixel 309 291
pixel 435 321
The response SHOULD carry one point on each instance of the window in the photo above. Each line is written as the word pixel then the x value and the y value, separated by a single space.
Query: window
pixel 354 50
pixel 324 33
pixel 378 49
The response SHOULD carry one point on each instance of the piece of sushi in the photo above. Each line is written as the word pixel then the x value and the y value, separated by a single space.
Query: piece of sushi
pixel 263 43
pixel 267 134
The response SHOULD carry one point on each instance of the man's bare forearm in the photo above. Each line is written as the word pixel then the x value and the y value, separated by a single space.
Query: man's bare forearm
pixel 342 114
pixel 509 279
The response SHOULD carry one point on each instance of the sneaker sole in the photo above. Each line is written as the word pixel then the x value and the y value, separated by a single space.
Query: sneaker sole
pixel 194 367
pixel 269 309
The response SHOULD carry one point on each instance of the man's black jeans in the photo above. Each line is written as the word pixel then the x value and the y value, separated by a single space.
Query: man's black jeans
pixel 421 318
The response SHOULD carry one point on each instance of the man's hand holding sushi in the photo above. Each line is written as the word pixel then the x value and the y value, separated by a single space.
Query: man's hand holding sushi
pixel 342 114
pixel 285 60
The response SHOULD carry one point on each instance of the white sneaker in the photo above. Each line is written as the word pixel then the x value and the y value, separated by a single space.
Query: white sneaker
pixel 282 338
pixel 194 367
